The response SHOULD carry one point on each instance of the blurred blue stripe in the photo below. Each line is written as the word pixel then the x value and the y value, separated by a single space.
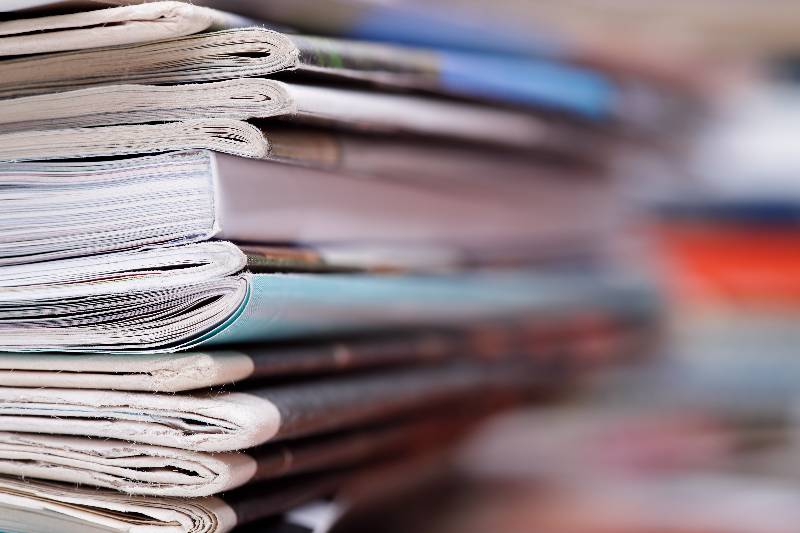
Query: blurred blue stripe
pixel 529 82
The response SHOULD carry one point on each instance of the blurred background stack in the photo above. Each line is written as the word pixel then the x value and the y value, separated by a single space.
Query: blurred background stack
pixel 703 435
pixel 529 266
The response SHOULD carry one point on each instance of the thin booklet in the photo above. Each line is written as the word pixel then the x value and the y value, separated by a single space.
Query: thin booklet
pixel 448 204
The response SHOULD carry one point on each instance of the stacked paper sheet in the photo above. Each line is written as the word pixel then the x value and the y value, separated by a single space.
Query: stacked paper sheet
pixel 241 267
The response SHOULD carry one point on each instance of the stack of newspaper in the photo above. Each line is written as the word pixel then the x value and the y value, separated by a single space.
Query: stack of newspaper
pixel 238 264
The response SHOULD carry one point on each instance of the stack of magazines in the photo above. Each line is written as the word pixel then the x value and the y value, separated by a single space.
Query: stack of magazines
pixel 239 265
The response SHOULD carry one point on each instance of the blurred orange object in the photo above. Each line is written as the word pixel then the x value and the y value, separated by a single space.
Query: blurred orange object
pixel 728 263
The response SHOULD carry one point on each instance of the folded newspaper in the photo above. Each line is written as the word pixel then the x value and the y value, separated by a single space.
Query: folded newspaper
pixel 620 330
pixel 214 421
pixel 176 298
pixel 162 471
pixel 64 125
pixel 105 27
pixel 257 52
pixel 196 370
pixel 42 507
